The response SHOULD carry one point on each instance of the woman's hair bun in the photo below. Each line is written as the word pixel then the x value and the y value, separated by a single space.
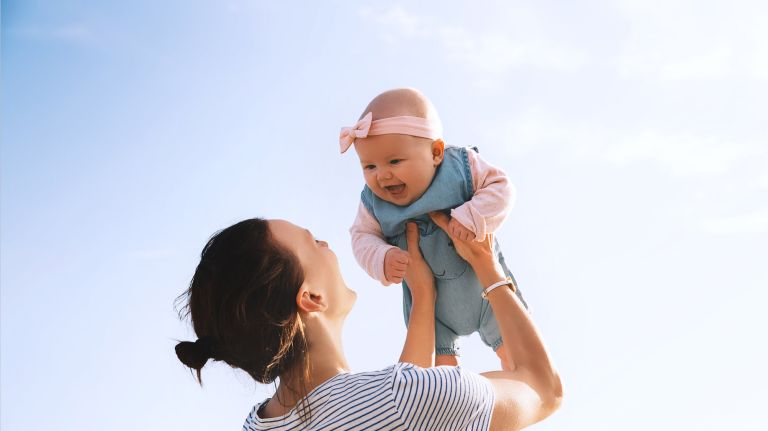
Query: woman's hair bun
pixel 195 355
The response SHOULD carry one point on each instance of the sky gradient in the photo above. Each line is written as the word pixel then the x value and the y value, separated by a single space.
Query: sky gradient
pixel 635 133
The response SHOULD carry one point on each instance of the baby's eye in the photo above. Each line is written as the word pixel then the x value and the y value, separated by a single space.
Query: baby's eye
pixel 369 167
pixel 395 161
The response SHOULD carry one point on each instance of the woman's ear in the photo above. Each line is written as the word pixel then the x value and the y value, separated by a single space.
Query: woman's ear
pixel 309 302
pixel 438 151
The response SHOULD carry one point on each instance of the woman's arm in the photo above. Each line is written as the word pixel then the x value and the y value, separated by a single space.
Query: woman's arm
pixel 532 391
pixel 419 348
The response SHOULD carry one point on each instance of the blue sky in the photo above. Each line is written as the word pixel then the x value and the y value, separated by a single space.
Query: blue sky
pixel 634 132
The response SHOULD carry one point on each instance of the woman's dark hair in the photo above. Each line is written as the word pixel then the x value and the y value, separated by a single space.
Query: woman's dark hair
pixel 242 302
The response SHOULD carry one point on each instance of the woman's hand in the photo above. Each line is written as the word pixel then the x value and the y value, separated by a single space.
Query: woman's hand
pixel 418 276
pixel 479 254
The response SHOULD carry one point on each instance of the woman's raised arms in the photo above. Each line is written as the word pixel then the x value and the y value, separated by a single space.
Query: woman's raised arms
pixel 532 390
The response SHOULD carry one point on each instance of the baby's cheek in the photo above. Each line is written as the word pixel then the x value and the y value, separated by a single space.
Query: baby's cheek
pixel 370 181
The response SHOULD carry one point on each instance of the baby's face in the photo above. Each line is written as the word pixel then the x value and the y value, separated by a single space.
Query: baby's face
pixel 398 168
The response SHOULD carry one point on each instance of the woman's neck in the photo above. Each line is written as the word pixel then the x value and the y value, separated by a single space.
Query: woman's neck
pixel 326 360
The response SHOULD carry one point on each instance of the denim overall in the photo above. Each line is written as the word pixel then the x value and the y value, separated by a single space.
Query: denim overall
pixel 460 310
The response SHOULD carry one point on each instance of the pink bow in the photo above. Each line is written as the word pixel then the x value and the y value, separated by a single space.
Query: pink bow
pixel 359 130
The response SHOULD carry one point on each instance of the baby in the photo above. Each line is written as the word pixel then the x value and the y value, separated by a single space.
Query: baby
pixel 409 172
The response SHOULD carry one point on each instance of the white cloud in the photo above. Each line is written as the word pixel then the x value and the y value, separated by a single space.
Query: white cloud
pixel 681 40
pixel 496 51
pixel 488 51
pixel 667 40
pixel 762 181
pixel 398 19
pixel 682 153
pixel 536 129
pixel 716 62
pixel 755 222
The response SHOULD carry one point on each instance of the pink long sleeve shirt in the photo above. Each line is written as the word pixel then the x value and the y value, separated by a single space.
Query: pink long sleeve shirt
pixel 483 214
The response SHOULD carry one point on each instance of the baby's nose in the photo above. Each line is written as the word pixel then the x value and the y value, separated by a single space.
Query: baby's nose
pixel 385 174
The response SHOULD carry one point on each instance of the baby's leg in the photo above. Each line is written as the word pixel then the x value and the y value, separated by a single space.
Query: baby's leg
pixel 451 360
pixel 446 346
pixel 506 363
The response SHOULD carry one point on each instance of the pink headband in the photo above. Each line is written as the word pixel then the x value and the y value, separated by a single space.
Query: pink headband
pixel 414 126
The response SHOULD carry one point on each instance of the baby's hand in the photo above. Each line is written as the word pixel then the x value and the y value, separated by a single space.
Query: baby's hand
pixel 395 263
pixel 458 230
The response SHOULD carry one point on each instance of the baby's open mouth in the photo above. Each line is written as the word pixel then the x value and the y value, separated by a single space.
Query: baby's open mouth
pixel 395 190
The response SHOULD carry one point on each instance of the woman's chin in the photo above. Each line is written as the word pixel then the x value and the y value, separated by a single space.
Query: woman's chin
pixel 351 300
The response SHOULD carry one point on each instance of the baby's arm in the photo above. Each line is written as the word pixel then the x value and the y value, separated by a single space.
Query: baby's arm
pixel 490 204
pixel 380 260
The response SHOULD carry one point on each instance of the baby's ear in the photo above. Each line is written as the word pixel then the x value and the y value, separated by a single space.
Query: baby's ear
pixel 438 151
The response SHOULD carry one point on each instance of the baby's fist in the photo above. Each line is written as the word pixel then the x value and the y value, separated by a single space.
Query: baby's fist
pixel 395 263
pixel 459 231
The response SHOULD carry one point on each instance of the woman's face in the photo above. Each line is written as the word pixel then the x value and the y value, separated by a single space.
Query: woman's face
pixel 321 268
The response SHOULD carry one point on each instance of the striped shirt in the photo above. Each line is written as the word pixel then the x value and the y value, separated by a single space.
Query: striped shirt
pixel 399 397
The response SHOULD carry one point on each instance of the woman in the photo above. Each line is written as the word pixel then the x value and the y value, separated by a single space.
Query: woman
pixel 269 299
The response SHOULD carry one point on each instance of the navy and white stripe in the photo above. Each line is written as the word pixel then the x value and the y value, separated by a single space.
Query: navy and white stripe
pixel 400 397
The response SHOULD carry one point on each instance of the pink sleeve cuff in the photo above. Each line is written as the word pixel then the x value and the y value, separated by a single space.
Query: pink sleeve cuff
pixel 493 197
pixel 471 219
